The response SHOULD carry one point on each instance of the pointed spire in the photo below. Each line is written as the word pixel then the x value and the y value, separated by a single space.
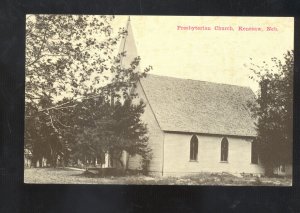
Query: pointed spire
pixel 128 46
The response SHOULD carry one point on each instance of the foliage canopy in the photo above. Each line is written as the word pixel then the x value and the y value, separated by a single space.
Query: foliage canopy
pixel 78 93
pixel 273 111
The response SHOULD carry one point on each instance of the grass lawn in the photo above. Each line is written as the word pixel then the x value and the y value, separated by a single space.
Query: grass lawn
pixel 70 176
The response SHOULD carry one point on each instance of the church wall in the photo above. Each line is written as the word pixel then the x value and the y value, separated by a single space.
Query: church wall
pixel 155 139
pixel 177 155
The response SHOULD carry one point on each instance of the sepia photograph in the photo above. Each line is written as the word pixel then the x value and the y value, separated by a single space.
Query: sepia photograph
pixel 159 100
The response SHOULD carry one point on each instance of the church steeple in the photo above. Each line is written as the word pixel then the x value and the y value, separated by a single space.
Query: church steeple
pixel 128 46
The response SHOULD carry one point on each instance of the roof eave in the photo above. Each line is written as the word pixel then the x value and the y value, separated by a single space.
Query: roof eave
pixel 210 134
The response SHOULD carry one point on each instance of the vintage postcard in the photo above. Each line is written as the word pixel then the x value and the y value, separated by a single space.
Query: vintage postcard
pixel 164 100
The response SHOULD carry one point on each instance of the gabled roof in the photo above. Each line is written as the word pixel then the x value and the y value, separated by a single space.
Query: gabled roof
pixel 184 105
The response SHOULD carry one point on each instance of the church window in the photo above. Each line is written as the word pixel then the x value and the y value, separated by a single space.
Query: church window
pixel 224 149
pixel 194 148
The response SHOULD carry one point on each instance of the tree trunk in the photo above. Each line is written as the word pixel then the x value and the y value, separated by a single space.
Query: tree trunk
pixel 122 164
pixel 40 162
pixel 54 160
pixel 33 162
pixel 127 160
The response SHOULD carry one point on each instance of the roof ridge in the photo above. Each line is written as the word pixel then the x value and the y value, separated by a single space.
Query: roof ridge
pixel 165 76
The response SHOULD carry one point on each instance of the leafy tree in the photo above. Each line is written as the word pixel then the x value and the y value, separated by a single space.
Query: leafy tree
pixel 69 63
pixel 129 131
pixel 63 51
pixel 112 130
pixel 274 111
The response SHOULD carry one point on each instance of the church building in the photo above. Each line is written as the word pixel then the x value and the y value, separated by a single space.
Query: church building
pixel 194 126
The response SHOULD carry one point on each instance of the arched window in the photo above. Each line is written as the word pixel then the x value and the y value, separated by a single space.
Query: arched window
pixel 224 149
pixel 194 148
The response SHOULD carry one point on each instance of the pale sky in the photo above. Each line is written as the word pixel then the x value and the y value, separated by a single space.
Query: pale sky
pixel 208 55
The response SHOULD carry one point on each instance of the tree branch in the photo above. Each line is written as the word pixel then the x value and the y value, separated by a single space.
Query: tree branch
pixel 51 120
pixel 62 123
pixel 60 106
pixel 40 50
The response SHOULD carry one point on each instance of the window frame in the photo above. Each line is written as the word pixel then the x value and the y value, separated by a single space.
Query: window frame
pixel 194 146
pixel 224 147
